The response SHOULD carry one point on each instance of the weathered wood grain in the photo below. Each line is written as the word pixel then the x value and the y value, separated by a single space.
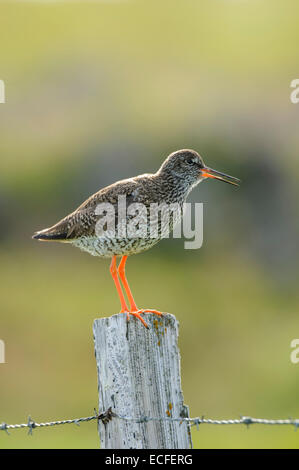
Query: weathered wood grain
pixel 139 375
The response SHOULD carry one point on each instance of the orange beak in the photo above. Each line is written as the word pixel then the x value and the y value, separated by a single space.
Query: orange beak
pixel 209 173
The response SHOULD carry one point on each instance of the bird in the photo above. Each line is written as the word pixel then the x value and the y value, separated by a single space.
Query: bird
pixel 91 227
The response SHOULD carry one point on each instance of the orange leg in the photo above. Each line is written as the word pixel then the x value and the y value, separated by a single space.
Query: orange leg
pixel 122 275
pixel 113 271
pixel 134 310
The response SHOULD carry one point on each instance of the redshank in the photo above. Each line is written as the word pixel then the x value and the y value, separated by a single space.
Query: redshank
pixel 178 175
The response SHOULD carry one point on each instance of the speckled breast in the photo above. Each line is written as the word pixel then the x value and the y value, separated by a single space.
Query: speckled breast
pixel 110 243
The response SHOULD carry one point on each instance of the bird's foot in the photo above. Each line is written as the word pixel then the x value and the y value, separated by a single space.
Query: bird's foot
pixel 136 313
pixel 150 310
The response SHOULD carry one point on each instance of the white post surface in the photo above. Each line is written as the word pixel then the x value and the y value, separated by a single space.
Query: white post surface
pixel 139 375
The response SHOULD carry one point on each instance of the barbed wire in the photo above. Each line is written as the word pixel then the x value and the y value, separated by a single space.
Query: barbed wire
pixel 108 415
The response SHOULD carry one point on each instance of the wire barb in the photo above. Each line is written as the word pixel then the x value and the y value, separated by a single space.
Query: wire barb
pixel 31 425
pixel 3 427
pixel 106 416
pixel 247 421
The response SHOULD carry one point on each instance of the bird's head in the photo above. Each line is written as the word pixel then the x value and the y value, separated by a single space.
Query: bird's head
pixel 189 166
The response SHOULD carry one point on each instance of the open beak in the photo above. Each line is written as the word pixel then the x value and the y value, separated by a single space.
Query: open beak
pixel 209 173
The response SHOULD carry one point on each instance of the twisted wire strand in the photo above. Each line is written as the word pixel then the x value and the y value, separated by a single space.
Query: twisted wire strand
pixel 108 415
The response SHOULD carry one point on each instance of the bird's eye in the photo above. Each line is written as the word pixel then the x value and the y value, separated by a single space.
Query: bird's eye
pixel 190 160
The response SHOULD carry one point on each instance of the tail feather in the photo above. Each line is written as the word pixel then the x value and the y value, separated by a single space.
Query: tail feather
pixel 49 235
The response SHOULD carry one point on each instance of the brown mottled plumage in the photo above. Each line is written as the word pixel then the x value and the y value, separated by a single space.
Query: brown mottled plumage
pixel 171 184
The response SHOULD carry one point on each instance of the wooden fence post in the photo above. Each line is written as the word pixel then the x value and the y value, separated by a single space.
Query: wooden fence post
pixel 139 375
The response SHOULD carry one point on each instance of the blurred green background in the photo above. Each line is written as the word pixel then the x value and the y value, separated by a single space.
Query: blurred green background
pixel 99 91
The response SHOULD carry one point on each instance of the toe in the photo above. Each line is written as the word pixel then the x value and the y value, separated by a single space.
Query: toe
pixel 137 315
pixel 149 310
